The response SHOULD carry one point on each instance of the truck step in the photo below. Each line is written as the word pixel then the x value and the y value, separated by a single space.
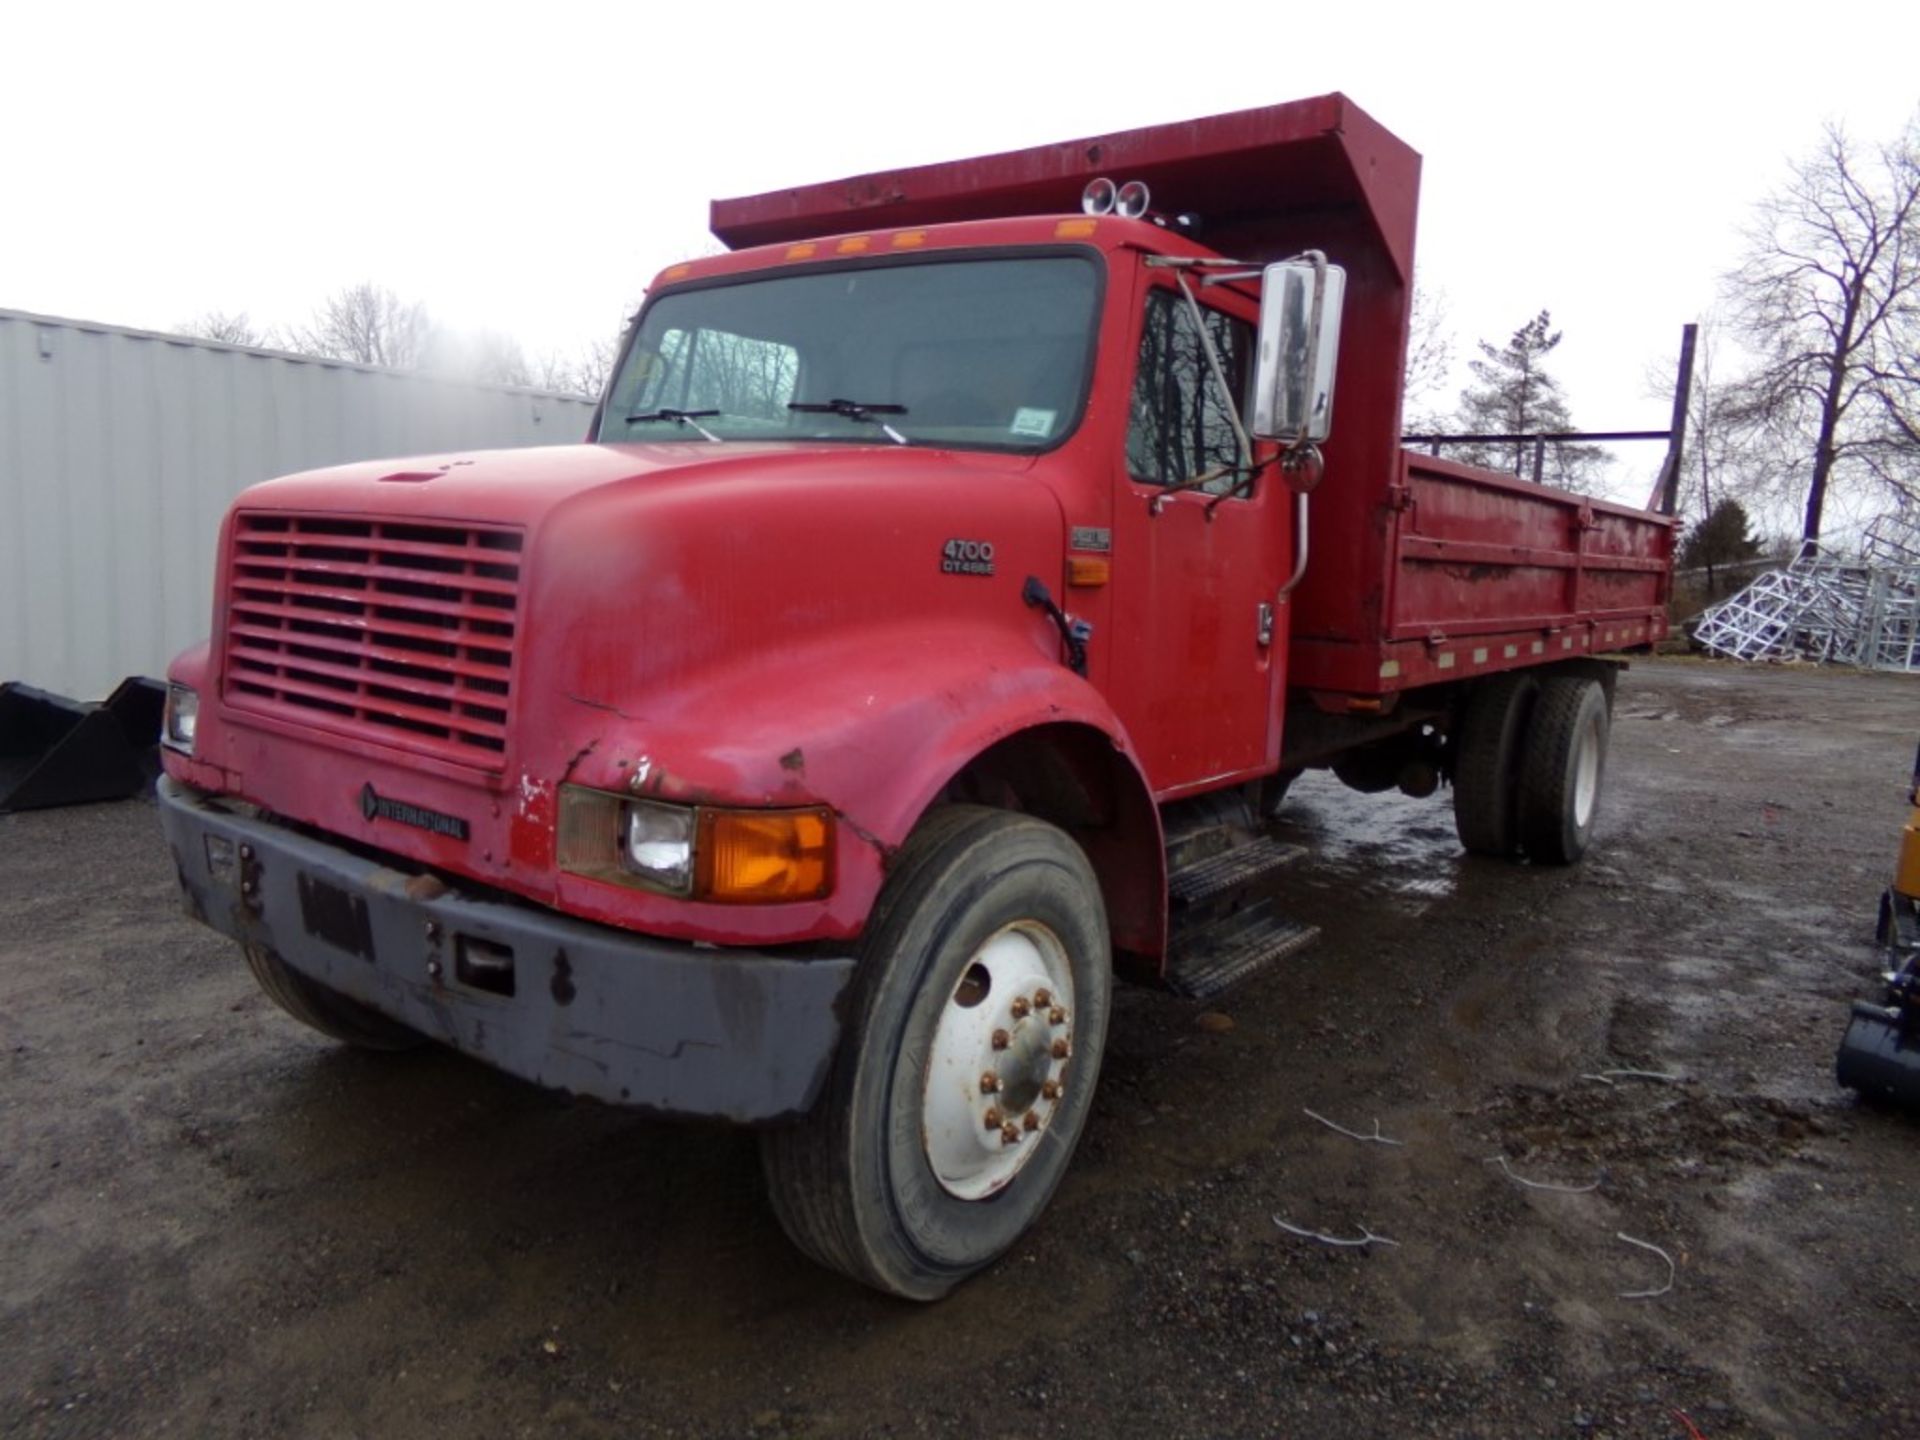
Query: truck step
pixel 1229 870
pixel 1215 954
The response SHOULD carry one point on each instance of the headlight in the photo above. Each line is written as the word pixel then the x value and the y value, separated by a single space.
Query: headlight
pixel 698 851
pixel 179 719
pixel 656 843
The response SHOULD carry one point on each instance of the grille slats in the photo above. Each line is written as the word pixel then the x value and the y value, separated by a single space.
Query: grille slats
pixel 372 602
pixel 403 632
pixel 269 569
pixel 383 654
pixel 500 650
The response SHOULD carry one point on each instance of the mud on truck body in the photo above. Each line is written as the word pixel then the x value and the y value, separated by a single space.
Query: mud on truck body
pixel 958 571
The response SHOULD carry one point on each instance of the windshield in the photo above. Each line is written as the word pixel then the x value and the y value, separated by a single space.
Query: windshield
pixel 988 354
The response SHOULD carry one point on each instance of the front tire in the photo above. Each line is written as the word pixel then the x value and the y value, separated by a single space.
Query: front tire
pixel 328 1011
pixel 966 1072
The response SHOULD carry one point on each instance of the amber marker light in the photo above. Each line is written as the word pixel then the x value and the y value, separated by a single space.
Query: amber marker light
pixel 802 251
pixel 1075 229
pixel 853 244
pixel 1088 571
pixel 764 856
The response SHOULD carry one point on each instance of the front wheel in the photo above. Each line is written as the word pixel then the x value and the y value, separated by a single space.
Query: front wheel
pixel 967 1068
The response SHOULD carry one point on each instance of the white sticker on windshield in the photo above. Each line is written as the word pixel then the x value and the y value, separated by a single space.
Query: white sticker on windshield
pixel 1035 423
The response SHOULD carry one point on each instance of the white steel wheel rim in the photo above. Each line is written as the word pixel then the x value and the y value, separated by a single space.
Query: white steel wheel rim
pixel 996 1072
pixel 1586 773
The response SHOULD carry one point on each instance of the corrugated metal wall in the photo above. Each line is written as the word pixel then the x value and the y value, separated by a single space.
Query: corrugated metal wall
pixel 121 449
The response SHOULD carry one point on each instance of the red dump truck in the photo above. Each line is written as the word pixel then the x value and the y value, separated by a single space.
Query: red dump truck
pixel 958 570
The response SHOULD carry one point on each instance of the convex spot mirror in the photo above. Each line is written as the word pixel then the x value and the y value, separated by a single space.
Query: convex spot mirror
pixel 1293 382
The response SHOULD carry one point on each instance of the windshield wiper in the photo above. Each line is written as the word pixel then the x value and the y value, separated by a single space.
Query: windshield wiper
pixel 854 410
pixel 679 417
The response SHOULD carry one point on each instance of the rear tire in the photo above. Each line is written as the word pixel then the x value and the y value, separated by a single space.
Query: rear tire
pixel 1562 769
pixel 897 1178
pixel 327 1011
pixel 1486 764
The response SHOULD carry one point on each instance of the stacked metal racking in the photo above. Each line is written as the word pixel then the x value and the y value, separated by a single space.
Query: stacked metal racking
pixel 1861 611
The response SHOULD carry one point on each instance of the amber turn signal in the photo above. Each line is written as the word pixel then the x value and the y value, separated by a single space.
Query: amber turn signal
pixel 764 855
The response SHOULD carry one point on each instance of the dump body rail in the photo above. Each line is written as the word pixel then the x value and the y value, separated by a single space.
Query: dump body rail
pixel 1472 572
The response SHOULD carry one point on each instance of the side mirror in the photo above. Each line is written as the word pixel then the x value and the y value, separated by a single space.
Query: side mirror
pixel 1299 342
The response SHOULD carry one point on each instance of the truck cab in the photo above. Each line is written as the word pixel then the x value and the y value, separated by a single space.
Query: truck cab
pixel 804 749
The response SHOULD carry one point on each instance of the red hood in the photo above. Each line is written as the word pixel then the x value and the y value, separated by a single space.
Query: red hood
pixel 518 487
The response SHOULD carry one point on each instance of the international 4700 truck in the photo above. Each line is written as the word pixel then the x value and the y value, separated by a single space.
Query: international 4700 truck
pixel 959 569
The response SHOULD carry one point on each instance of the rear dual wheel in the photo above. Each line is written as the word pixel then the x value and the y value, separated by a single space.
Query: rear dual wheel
pixel 1562 769
pixel 966 1072
pixel 1529 762
pixel 1486 764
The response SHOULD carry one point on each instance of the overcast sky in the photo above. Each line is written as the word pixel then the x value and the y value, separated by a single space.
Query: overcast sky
pixel 529 168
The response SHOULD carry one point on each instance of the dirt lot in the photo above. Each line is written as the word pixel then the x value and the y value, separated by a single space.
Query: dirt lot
pixel 213 1224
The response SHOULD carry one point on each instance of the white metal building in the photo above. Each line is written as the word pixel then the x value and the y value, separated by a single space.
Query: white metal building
pixel 121 449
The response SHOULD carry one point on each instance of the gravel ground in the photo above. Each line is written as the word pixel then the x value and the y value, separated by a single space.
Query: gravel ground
pixel 215 1224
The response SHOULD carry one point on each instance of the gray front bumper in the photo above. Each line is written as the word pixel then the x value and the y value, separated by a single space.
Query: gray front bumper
pixel 627 1018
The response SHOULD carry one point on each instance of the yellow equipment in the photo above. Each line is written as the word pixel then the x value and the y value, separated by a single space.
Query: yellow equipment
pixel 1880 1053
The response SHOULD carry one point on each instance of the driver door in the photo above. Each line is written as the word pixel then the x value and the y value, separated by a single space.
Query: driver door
pixel 1197 567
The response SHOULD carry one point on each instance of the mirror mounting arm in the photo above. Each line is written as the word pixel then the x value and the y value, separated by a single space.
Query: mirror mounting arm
pixel 1241 439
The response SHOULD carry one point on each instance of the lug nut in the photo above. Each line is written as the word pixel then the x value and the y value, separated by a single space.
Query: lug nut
pixel 1001 1039
pixel 433 969
pixel 1060 1049
pixel 1032 1122
pixel 992 1118
pixel 1042 998
pixel 989 1083
pixel 1050 1090
pixel 1056 1016
pixel 433 929
pixel 1020 1007
pixel 1009 1134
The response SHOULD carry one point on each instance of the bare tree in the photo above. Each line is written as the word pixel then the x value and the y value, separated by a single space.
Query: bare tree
pixel 1429 362
pixel 229 328
pixel 369 325
pixel 581 372
pixel 1828 300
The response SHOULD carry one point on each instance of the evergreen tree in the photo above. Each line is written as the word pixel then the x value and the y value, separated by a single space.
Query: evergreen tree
pixel 1516 396
pixel 1722 538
